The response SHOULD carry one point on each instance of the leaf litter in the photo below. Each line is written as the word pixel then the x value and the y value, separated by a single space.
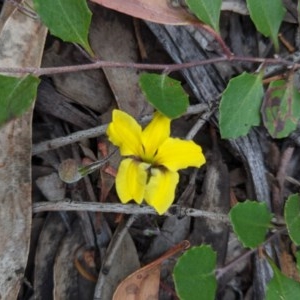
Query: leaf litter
pixel 74 254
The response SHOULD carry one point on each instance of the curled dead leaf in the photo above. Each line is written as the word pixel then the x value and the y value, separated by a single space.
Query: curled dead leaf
pixel 156 11
pixel 144 283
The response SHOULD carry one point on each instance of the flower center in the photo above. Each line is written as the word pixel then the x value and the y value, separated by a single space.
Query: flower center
pixel 148 158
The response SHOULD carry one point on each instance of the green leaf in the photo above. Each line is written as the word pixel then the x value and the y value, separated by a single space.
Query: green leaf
pixel 250 221
pixel 165 94
pixel 207 11
pixel 281 108
pixel 240 105
pixel 17 95
pixel 194 274
pixel 281 286
pixel 67 19
pixel 267 16
pixel 292 217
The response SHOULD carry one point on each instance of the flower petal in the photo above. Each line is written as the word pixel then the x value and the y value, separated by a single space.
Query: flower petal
pixel 131 180
pixel 125 133
pixel 177 154
pixel 160 190
pixel 156 132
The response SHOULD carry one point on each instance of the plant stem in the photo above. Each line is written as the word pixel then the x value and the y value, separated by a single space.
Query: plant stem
pixel 157 67
pixel 221 271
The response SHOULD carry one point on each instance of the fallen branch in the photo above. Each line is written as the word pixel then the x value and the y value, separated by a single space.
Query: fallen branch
pixel 68 205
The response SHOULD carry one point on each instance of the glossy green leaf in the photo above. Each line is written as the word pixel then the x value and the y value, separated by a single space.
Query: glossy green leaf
pixel 240 105
pixel 250 221
pixel 194 274
pixel 165 94
pixel 281 286
pixel 281 108
pixel 207 11
pixel 292 217
pixel 16 96
pixel 67 19
pixel 267 16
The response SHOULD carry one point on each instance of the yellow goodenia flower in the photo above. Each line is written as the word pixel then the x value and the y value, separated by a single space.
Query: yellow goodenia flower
pixel 149 171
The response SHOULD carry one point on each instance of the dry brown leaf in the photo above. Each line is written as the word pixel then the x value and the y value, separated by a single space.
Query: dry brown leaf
pixel 108 31
pixel 50 102
pixel 22 40
pixel 124 263
pixel 88 88
pixel 157 11
pixel 144 283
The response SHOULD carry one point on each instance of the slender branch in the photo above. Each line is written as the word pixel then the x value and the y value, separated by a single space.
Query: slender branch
pixel 217 37
pixel 69 139
pixel 158 67
pixel 201 121
pixel 221 271
pixel 68 205
pixel 96 131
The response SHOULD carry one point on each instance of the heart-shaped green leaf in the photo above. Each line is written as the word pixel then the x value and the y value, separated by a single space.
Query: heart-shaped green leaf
pixel 194 274
pixel 292 217
pixel 17 95
pixel 240 105
pixel 250 221
pixel 67 19
pixel 165 94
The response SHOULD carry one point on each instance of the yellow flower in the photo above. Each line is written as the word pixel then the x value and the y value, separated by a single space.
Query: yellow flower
pixel 149 171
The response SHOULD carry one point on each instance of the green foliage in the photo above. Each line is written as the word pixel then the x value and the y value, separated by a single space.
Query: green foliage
pixel 281 108
pixel 292 217
pixel 267 16
pixel 194 274
pixel 207 11
pixel 250 221
pixel 282 287
pixel 165 94
pixel 240 105
pixel 67 19
pixel 17 95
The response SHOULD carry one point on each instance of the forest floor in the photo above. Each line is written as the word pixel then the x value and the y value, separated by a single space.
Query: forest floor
pixel 82 251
